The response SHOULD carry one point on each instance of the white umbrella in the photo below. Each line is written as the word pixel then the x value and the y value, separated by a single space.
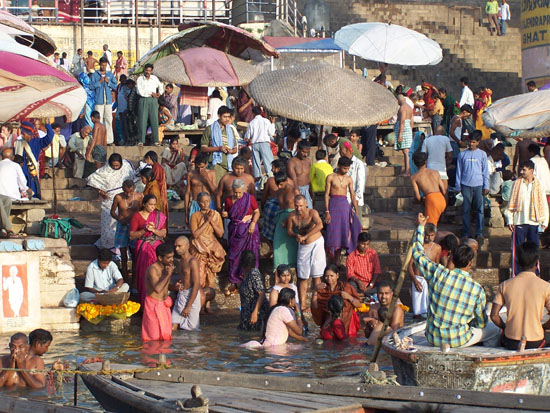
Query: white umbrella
pixel 388 43
pixel 527 115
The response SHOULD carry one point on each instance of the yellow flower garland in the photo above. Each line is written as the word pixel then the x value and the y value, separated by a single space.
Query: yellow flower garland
pixel 96 312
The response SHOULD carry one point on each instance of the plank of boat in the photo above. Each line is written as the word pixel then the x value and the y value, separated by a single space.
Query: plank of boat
pixel 23 405
pixel 483 354
pixel 224 388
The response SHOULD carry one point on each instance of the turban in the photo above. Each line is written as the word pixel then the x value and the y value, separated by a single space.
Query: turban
pixel 29 129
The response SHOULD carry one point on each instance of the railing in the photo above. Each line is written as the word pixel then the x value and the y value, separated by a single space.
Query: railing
pixel 252 11
pixel 118 11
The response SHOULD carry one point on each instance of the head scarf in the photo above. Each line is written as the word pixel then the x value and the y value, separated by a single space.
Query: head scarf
pixel 28 128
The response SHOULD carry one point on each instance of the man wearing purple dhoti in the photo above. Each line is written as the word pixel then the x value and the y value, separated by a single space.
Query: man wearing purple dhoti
pixel 343 225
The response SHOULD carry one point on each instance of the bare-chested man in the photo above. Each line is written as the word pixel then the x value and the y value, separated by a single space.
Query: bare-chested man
pixel 99 135
pixel 200 179
pixel 124 206
pixel 403 131
pixel 343 225
pixel 298 170
pixel 270 203
pixel 305 225
pixel 521 154
pixel 20 358
pixel 420 286
pixel 185 314
pixel 157 318
pixel 378 312
pixel 429 183
pixel 224 187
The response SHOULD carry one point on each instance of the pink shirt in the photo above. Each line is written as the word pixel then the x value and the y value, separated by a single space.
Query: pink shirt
pixel 276 331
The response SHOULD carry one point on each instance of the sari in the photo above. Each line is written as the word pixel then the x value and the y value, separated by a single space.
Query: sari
pixel 152 188
pixel 145 252
pixel 239 238
pixel 174 166
pixel 110 181
pixel 160 176
pixel 207 248
pixel 349 316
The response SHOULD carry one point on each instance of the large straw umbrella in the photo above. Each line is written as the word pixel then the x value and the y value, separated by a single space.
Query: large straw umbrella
pixel 322 94
pixel 526 115
pixel 204 67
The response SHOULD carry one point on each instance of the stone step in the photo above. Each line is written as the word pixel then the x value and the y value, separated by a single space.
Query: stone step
pixel 388 192
pixel 67 194
pixel 68 207
pixel 63 183
pixel 58 316
pixel 385 181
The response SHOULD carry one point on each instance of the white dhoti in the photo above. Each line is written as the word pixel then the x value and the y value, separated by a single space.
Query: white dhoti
pixel 312 259
pixel 420 299
pixel 192 322
pixel 78 168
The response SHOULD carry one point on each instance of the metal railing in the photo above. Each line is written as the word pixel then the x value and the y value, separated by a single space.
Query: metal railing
pixel 256 11
pixel 118 11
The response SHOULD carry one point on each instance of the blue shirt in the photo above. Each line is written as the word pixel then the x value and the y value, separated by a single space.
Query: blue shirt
pixel 102 280
pixel 123 93
pixel 103 89
pixel 472 169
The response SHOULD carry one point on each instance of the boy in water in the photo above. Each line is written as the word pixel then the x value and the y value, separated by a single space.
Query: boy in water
pixel 39 341
pixel 124 206
pixel 343 225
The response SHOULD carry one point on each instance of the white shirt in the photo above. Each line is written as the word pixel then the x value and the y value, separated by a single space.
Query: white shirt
pixel 467 97
pixel 260 130
pixel 146 87
pixel 13 181
pixel 542 172
pixel 495 177
pixel 102 280
pixel 358 173
pixel 108 55
pixel 435 147
pixel 505 12
pixel 213 105
pixel 522 217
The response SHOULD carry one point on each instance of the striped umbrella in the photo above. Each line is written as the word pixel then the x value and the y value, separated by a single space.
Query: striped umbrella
pixel 30 87
pixel 204 67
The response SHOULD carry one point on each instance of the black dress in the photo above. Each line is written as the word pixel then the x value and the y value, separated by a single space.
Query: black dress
pixel 249 290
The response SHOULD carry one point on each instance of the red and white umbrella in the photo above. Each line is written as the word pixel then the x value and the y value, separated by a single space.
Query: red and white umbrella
pixel 30 86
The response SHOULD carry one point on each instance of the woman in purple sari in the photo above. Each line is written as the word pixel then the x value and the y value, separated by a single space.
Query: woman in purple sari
pixel 148 227
pixel 242 210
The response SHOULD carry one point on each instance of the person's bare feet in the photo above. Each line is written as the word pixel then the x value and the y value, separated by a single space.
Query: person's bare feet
pixel 405 174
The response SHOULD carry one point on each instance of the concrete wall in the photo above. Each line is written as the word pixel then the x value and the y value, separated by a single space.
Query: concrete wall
pixel 460 27
pixel 67 38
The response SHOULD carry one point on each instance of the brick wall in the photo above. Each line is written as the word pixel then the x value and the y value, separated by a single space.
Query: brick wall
pixel 461 30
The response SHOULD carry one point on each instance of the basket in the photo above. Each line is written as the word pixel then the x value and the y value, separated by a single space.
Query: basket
pixel 112 298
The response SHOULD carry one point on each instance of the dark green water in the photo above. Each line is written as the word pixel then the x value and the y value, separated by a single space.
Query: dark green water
pixel 215 347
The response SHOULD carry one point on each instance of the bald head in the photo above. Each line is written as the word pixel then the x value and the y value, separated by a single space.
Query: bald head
pixel 85 131
pixel 7 153
pixel 473 244
pixel 440 130
pixel 181 245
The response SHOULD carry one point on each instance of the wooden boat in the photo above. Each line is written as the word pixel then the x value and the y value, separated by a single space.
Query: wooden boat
pixel 474 368
pixel 160 391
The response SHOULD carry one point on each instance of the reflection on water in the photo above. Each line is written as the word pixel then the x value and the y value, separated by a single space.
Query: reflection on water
pixel 216 347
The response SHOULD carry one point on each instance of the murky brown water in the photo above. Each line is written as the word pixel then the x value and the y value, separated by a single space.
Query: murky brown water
pixel 215 347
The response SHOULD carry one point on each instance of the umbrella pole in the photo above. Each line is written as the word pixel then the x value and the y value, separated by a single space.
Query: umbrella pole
pixel 137 29
pixel 320 137
pixel 53 185
pixel 393 303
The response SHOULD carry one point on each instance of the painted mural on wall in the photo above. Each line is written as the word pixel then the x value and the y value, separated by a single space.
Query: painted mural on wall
pixel 15 291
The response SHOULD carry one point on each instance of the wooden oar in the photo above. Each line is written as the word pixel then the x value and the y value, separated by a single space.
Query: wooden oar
pixel 393 303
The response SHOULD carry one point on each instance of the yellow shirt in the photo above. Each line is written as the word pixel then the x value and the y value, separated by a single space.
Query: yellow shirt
pixel 56 141
pixel 318 175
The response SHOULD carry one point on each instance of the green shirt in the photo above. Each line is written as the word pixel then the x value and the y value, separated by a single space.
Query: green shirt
pixel 491 7
pixel 206 140
pixel 356 152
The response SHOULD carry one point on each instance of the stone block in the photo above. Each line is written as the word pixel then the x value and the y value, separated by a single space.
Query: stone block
pixel 34 215
pixel 58 315
pixel 52 298
pixel 48 287
pixel 65 274
pixel 62 327
pixel 33 228
pixel 107 325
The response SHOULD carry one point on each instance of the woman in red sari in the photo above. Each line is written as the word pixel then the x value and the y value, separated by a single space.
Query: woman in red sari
pixel 331 286
pixel 148 227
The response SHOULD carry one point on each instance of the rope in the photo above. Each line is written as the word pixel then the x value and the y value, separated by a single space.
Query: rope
pixel 89 373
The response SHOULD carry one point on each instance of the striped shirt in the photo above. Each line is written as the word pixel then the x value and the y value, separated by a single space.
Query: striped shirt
pixel 363 267
pixel 457 302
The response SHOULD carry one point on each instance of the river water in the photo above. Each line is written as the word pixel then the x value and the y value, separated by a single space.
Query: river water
pixel 215 347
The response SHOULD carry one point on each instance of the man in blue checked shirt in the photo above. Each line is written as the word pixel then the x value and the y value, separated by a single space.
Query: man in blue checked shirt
pixel 103 82
pixel 456 311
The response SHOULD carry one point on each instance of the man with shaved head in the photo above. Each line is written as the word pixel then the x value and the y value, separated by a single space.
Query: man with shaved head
pixel 185 314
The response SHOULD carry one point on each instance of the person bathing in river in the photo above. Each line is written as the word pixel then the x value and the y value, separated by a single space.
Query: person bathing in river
pixel 20 358
pixel 373 321
pixel 39 342
pixel 281 323
pixel 305 225
pixel 334 327
pixel 283 279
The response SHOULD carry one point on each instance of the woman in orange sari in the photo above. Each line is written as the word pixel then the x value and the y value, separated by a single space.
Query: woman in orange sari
pixel 206 227
pixel 151 186
pixel 331 286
